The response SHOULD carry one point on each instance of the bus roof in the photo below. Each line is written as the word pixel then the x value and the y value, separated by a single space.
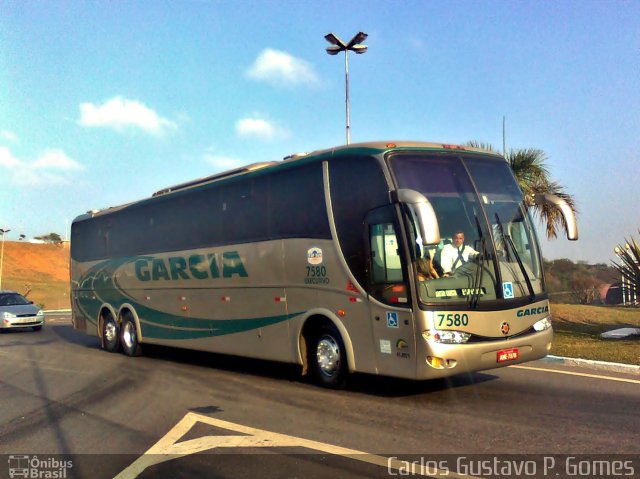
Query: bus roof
pixel 373 147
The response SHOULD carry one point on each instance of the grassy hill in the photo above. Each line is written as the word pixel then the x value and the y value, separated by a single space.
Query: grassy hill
pixel 41 268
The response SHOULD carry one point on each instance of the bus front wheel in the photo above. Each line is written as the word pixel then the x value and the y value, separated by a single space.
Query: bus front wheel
pixel 110 334
pixel 328 358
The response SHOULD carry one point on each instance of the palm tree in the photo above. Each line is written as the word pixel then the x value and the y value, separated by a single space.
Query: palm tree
pixel 629 265
pixel 530 169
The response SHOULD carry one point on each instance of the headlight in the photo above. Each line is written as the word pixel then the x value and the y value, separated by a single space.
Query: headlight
pixel 40 313
pixel 544 323
pixel 446 337
pixel 6 315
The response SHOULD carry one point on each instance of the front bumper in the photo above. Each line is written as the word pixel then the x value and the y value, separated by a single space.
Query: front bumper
pixel 481 356
pixel 21 322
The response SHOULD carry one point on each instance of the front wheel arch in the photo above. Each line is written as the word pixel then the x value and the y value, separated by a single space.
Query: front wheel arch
pixel 313 319
pixel 324 352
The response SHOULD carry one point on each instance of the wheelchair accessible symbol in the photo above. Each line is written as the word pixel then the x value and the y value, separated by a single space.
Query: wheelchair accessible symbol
pixel 392 320
pixel 507 290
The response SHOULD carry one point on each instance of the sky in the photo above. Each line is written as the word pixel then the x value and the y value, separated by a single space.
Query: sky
pixel 103 103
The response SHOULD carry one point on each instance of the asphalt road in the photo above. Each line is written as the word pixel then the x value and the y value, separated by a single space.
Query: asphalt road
pixel 204 415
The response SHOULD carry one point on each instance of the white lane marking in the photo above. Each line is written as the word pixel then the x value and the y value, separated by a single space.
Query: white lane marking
pixel 571 373
pixel 169 447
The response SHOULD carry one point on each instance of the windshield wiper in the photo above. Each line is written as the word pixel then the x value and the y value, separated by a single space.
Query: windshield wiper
pixel 509 242
pixel 474 298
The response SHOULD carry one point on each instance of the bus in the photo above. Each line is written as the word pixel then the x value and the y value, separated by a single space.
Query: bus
pixel 331 260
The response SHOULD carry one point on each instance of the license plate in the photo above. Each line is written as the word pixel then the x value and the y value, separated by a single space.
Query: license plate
pixel 24 320
pixel 507 355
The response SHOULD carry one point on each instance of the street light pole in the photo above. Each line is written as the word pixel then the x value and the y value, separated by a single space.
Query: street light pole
pixel 346 94
pixel 2 232
pixel 338 46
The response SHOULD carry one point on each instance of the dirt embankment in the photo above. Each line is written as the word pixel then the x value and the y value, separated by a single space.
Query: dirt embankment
pixel 41 270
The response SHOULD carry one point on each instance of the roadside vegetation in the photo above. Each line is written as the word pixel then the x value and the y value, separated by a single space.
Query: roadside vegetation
pixel 578 327
pixel 38 271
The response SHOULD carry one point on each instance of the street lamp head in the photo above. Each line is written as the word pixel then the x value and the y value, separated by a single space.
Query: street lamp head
pixel 358 38
pixel 334 49
pixel 334 40
pixel 359 49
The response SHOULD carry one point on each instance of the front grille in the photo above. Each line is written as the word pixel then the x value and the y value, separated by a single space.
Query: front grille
pixel 479 339
pixel 29 315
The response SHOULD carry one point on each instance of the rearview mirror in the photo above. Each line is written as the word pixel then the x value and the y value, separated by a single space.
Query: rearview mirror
pixel 565 209
pixel 424 214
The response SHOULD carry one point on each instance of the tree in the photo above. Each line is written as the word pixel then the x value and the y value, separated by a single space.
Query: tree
pixel 530 169
pixel 629 266
pixel 584 289
pixel 50 238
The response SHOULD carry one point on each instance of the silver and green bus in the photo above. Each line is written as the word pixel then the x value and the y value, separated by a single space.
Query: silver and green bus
pixel 332 260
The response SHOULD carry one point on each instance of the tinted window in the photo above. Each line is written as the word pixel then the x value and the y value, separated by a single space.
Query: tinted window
pixel 13 299
pixel 283 204
pixel 357 186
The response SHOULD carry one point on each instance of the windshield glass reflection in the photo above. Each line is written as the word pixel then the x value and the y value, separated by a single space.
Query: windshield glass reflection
pixel 475 261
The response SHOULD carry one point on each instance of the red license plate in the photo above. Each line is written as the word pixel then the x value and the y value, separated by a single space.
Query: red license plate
pixel 507 355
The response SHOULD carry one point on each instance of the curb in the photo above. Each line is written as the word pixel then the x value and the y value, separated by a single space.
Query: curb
pixel 592 364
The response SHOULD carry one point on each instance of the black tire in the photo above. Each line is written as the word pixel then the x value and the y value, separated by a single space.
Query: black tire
pixel 37 328
pixel 129 336
pixel 328 358
pixel 110 334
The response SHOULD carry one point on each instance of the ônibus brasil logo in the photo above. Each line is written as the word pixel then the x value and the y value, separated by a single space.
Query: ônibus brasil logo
pixel 37 468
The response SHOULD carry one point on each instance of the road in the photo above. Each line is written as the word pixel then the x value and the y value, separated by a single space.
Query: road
pixel 205 415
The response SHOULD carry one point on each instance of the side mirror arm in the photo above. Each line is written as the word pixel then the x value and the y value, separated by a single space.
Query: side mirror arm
pixel 424 213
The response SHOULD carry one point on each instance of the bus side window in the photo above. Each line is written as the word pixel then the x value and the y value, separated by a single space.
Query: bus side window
pixel 386 274
pixel 385 256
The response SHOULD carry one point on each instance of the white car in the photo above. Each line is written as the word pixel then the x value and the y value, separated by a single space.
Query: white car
pixel 16 311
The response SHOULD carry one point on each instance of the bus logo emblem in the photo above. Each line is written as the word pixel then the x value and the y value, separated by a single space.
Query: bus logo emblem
pixel 504 328
pixel 314 256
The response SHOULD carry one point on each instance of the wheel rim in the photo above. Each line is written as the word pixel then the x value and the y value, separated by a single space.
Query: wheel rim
pixel 129 335
pixel 110 333
pixel 328 355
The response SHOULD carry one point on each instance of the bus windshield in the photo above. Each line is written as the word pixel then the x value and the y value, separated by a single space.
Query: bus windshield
pixel 488 250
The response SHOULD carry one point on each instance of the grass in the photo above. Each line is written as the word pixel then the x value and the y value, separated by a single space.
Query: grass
pixel 578 329
pixel 47 294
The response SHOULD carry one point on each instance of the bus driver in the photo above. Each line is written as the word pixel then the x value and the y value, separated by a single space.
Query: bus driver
pixel 456 254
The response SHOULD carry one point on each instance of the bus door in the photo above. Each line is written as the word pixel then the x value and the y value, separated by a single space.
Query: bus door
pixel 391 314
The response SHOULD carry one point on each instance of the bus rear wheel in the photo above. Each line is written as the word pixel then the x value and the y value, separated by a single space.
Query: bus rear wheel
pixel 129 337
pixel 110 334
pixel 328 358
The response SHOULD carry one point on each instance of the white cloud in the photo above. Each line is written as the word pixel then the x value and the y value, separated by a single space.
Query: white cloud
pixel 282 69
pixel 9 136
pixel 57 160
pixel 119 113
pixel 38 172
pixel 259 128
pixel 7 159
